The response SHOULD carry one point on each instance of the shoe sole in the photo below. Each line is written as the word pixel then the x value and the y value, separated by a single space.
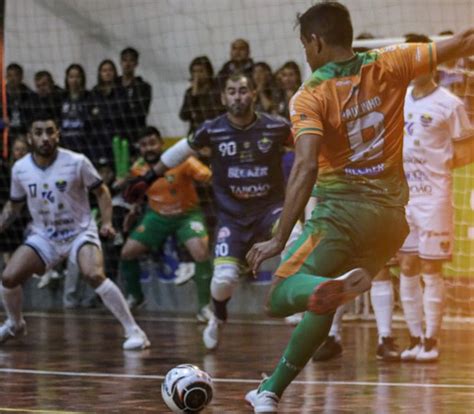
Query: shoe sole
pixel 256 410
pixel 146 345
pixel 329 295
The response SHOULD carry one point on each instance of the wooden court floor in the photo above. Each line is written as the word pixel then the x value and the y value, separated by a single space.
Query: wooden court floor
pixel 73 363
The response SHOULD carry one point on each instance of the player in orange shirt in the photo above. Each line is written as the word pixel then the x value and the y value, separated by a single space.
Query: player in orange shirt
pixel 348 128
pixel 173 208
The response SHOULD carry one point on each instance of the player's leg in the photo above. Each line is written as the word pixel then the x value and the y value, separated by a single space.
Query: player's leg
pixel 149 234
pixel 332 346
pixel 193 234
pixel 24 262
pixel 381 296
pixel 91 263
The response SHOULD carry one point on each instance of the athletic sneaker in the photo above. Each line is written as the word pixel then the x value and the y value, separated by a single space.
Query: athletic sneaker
pixel 184 273
pixel 329 295
pixel 429 351
pixel 204 314
pixel 8 331
pixel 136 341
pixel 413 349
pixel 294 319
pixel 388 350
pixel 210 335
pixel 262 401
pixel 329 349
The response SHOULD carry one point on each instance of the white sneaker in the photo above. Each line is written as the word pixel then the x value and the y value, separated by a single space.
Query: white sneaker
pixel 8 331
pixel 205 314
pixel 263 401
pixel 294 319
pixel 411 353
pixel 429 351
pixel 329 295
pixel 210 335
pixel 184 273
pixel 136 341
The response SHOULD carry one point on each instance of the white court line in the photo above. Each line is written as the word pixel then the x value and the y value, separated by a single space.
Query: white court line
pixel 231 380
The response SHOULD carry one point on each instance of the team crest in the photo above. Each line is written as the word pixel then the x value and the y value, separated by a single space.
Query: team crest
pixel 426 120
pixel 224 232
pixel 445 245
pixel 246 145
pixel 197 226
pixel 170 178
pixel 61 185
pixel 264 144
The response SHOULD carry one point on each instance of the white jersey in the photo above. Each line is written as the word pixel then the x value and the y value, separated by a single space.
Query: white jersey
pixel 57 196
pixel 432 123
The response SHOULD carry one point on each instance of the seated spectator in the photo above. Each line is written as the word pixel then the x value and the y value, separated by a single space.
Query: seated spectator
pixel 290 81
pixel 18 95
pixel 240 61
pixel 74 112
pixel 46 99
pixel 266 88
pixel 202 100
pixel 107 109
pixel 139 93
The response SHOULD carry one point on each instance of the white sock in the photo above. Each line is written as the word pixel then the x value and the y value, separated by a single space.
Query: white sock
pixel 336 326
pixel 381 295
pixel 433 303
pixel 411 296
pixel 112 298
pixel 13 303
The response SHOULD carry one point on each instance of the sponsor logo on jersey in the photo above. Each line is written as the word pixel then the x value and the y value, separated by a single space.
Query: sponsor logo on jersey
pixel 250 191
pixel 247 144
pixel 426 120
pixel 264 144
pixel 224 232
pixel 170 178
pixel 61 185
pixel 47 196
pixel 419 189
pixel 246 156
pixel 32 188
pixel 374 170
pixel 416 175
pixel 254 172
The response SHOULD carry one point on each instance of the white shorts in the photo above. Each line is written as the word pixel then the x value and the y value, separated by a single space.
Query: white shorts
pixel 54 252
pixel 431 230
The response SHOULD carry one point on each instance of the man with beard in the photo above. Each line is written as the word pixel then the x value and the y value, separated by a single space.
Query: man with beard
pixel 173 208
pixel 248 183
pixel 55 183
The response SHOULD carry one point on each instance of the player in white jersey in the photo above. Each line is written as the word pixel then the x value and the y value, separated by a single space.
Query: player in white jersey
pixel 55 184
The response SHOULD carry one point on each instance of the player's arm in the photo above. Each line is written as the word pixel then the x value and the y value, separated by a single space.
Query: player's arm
pixel 302 179
pixel 458 46
pixel 104 200
pixel 11 210
pixel 463 151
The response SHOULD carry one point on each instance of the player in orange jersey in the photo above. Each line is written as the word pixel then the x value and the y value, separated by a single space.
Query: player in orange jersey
pixel 173 208
pixel 348 128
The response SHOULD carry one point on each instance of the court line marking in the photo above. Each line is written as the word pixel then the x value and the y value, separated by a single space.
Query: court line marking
pixel 230 380
pixel 28 410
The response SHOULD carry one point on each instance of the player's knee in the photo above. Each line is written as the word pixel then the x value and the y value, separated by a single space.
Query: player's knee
pixel 127 253
pixel 224 281
pixel 409 265
pixel 94 278
pixel 10 279
pixel 431 267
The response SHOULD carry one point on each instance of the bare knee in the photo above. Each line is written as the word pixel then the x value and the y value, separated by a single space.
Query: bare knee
pixel 431 267
pixel 95 278
pixel 10 279
pixel 409 265
pixel 383 275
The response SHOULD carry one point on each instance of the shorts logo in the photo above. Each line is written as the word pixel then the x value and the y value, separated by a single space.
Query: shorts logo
pixel 196 226
pixel 264 144
pixel 224 232
pixel 445 245
pixel 140 229
pixel 61 185
pixel 426 120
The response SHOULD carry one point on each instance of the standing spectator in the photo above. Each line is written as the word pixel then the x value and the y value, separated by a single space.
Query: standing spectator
pixel 107 110
pixel 266 89
pixel 202 99
pixel 240 61
pixel 290 78
pixel 46 99
pixel 18 95
pixel 74 112
pixel 138 92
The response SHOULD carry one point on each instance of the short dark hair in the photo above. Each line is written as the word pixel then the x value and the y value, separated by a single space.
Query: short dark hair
pixel 130 51
pixel 43 116
pixel 203 61
pixel 44 73
pixel 237 76
pixel 417 38
pixel 331 20
pixel 81 71
pixel 16 67
pixel 150 130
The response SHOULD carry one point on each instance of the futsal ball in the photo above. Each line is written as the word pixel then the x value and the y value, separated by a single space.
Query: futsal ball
pixel 187 389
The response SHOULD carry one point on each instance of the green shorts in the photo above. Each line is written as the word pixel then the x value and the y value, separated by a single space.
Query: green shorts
pixel 154 228
pixel 342 235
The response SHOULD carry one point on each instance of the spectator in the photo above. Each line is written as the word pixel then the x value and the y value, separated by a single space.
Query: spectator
pixel 107 110
pixel 18 95
pixel 266 89
pixel 138 92
pixel 202 99
pixel 240 61
pixel 290 81
pixel 74 112
pixel 47 99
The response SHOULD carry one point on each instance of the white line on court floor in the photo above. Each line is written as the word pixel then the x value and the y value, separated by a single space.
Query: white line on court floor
pixel 231 380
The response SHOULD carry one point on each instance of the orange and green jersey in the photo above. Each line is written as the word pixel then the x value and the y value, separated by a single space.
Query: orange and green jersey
pixel 174 193
pixel 357 108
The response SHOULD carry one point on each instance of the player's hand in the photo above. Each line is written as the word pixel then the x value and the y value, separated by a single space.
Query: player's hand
pixel 107 231
pixel 137 187
pixel 262 251
pixel 131 218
